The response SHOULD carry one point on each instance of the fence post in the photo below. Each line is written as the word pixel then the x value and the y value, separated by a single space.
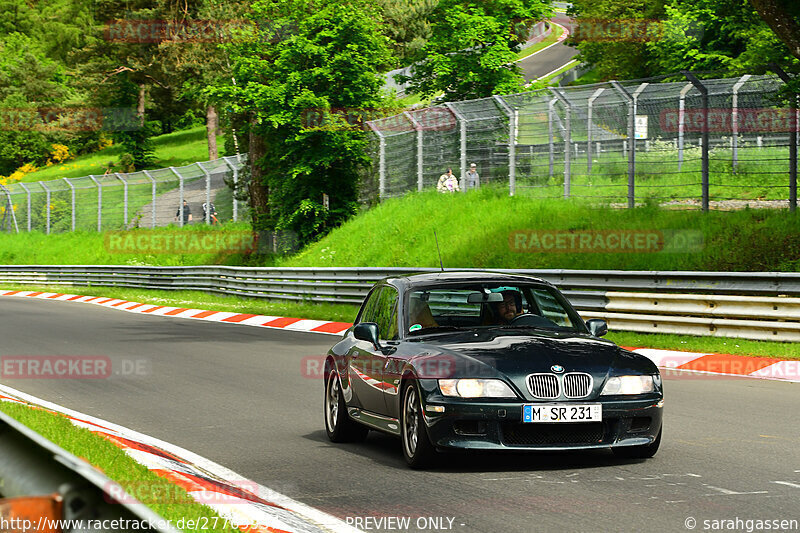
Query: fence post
pixel 180 196
pixel 631 146
pixel 124 198
pixel 682 121
pixel 381 161
pixel 99 202
pixel 512 144
pixel 418 127
pixel 11 207
pixel 208 193
pixel 550 111
pixel 28 192
pixel 462 126
pixel 704 92
pixel 567 140
pixel 153 193
pixel 235 171
pixel 72 191
pixel 590 102
pixel 735 120
pixel 47 208
pixel 792 140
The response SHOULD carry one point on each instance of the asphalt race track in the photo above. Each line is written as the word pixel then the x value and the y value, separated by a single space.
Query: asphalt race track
pixel 537 65
pixel 237 395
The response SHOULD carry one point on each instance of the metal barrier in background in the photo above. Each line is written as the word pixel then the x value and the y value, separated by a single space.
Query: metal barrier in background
pixel 755 305
pixel 146 199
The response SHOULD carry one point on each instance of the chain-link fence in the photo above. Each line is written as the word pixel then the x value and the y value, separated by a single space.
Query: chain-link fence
pixel 688 142
pixel 146 199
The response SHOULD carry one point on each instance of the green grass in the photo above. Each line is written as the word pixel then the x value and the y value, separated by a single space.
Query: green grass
pixel 474 229
pixel 550 39
pixel 147 486
pixel 781 350
pixel 91 248
pixel 173 149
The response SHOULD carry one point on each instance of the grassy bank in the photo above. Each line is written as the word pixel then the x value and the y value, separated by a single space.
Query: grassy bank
pixel 170 501
pixel 171 150
pixel 474 231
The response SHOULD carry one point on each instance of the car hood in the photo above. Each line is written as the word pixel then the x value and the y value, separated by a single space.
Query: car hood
pixel 513 354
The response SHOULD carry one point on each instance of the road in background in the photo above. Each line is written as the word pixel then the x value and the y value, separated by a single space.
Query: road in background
pixel 240 396
pixel 549 59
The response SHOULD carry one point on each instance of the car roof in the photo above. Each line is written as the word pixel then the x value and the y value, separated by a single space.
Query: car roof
pixel 460 276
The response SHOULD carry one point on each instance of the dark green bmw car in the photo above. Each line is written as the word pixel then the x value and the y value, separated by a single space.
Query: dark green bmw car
pixel 490 361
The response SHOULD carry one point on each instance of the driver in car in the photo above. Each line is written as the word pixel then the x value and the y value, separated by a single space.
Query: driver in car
pixel 509 308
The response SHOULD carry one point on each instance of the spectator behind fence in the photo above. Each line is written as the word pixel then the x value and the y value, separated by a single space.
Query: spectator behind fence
pixel 187 213
pixel 448 182
pixel 473 181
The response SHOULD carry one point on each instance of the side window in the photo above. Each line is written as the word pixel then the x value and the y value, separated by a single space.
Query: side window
pixel 550 308
pixel 368 312
pixel 386 313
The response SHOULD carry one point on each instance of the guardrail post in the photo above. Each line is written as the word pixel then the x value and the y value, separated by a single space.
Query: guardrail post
pixel 682 121
pixel 418 127
pixel 99 202
pixel 381 161
pixel 792 140
pixel 72 192
pixel 208 192
pixel 180 196
pixel 512 144
pixel 28 193
pixel 47 208
pixel 153 193
pixel 735 120
pixel 589 104
pixel 567 140
pixel 11 207
pixel 462 127
pixel 704 92
pixel 124 198
pixel 235 171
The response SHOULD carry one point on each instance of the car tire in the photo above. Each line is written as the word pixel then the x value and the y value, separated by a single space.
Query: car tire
pixel 418 450
pixel 338 425
pixel 639 452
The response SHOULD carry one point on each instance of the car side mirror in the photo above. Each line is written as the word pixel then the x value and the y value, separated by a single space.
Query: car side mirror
pixel 597 327
pixel 367 331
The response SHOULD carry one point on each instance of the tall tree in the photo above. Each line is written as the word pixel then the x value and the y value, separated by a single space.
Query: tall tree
pixel 783 16
pixel 310 62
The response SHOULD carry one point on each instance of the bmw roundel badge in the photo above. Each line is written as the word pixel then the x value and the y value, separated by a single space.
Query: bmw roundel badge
pixel 557 368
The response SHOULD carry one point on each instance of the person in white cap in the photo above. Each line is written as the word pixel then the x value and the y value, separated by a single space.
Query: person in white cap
pixel 473 180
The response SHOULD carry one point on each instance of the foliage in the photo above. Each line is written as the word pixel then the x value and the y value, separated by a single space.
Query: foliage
pixel 329 63
pixel 472 48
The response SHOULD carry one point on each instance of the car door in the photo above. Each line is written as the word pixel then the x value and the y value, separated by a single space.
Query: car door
pixel 366 362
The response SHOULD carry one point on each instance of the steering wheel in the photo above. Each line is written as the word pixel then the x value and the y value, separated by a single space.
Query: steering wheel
pixel 531 319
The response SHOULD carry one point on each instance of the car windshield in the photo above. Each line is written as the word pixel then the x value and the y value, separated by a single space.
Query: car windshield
pixel 488 305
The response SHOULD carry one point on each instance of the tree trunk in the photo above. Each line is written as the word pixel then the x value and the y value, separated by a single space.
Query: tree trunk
pixel 782 23
pixel 259 190
pixel 140 105
pixel 212 125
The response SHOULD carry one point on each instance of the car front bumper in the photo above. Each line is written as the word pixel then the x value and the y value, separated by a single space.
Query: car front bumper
pixel 498 425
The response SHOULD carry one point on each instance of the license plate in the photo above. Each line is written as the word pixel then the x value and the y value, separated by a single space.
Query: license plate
pixel 562 413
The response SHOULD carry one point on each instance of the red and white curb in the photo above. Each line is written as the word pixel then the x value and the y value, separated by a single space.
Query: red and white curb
pixel 280 322
pixel 250 506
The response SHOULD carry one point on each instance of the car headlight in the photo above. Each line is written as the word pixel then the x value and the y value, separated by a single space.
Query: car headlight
pixel 476 388
pixel 628 385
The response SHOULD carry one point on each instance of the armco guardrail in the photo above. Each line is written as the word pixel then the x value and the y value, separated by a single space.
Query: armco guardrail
pixel 32 466
pixel 756 305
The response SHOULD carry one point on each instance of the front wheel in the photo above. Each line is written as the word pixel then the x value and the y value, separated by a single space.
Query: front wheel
pixel 639 452
pixel 417 447
pixel 339 426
